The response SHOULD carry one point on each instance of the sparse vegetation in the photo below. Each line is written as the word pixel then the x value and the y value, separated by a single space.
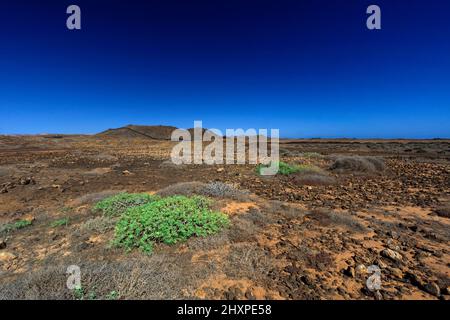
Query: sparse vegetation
pixel 358 164
pixel 308 168
pixel 20 224
pixel 329 218
pixel 222 190
pixel 284 241
pixel 78 293
pixel 212 189
pixel 94 197
pixel 98 224
pixel 60 222
pixel 312 155
pixel 167 220
pixel 182 189
pixel 118 204
pixel 287 169
pixel 113 295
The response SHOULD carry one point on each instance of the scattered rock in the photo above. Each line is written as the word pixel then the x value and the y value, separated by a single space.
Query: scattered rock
pixel 361 269
pixel 26 181
pixel 350 272
pixel 6 256
pixel 220 170
pixel 414 279
pixel 393 234
pixel 432 288
pixel 126 172
pixel 306 279
pixel 249 295
pixel 378 296
pixel 443 212
pixel 391 254
pixel 396 273
pixel 2 244
pixel 82 246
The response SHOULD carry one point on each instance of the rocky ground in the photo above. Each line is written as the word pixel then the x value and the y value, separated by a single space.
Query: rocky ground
pixel 310 235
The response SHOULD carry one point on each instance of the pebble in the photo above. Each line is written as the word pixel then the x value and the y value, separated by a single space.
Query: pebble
pixel 391 254
pixel 361 269
pixel 432 288
pixel 6 256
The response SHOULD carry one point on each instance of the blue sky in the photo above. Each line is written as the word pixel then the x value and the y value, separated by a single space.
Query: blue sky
pixel 309 68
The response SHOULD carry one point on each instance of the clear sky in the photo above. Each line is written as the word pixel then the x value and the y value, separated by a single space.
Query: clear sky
pixel 310 68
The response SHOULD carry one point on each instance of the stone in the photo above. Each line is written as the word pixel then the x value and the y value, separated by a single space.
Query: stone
pixel 361 269
pixel 6 256
pixel 350 272
pixel 220 170
pixel 447 291
pixel 396 273
pixel 378 296
pixel 414 279
pixel 391 254
pixel 2 244
pixel 432 288
pixel 26 181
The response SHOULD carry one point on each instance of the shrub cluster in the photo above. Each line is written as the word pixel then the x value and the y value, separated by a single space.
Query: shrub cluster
pixel 358 164
pixel 287 169
pixel 119 203
pixel 167 220
pixel 20 224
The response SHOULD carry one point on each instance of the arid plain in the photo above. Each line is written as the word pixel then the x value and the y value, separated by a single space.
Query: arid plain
pixel 311 234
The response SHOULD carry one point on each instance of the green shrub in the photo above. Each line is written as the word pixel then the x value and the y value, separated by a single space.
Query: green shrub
pixel 113 295
pixel 167 220
pixel 287 169
pixel 6 228
pixel 60 223
pixel 119 203
pixel 283 168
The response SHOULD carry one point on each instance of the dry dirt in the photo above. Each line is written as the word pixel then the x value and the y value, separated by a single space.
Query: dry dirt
pixel 291 237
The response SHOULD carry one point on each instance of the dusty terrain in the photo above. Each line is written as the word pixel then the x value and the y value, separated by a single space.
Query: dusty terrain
pixel 291 237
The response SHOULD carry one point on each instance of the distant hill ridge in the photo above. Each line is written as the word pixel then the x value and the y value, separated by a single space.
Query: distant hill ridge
pixel 158 132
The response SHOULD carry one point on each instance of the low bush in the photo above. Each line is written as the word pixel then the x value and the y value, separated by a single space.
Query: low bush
pixel 118 204
pixel 60 222
pixel 330 219
pixel 182 189
pixel 215 189
pixel 167 220
pixel 94 197
pixel 358 164
pixel 222 190
pixel 312 155
pixel 99 224
pixel 287 169
pixel 20 224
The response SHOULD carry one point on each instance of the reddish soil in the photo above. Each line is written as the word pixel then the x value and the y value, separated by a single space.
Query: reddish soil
pixel 290 237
